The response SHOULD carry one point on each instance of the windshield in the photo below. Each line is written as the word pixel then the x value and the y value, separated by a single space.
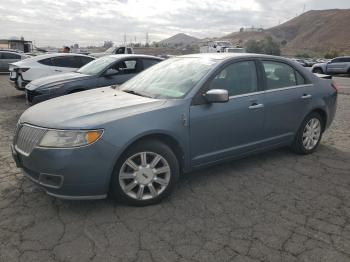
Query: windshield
pixel 110 50
pixel 96 67
pixel 173 78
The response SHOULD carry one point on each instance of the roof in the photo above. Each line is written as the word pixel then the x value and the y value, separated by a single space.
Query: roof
pixel 56 55
pixel 121 56
pixel 225 56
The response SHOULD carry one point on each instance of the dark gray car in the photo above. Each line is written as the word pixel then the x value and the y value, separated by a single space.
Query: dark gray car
pixel 182 114
pixel 108 70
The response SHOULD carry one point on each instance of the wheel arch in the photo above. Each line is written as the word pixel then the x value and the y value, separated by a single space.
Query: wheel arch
pixel 323 115
pixel 166 138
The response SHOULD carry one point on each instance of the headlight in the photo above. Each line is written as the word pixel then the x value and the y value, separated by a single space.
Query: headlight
pixel 69 138
pixel 50 88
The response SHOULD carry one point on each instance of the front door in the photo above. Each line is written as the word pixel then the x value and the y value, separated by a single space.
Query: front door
pixel 224 130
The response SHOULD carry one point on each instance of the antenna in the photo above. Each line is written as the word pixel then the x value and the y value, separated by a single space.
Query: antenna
pixel 304 9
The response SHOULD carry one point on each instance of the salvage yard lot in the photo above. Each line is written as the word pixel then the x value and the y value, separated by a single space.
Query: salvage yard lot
pixel 276 206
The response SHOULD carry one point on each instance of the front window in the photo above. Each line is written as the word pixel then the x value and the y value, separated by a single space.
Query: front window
pixel 96 66
pixel 173 78
pixel 238 78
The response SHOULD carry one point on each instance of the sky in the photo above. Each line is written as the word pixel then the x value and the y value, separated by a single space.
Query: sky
pixel 90 22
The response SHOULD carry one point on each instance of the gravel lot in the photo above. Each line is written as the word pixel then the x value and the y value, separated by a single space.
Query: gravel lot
pixel 272 207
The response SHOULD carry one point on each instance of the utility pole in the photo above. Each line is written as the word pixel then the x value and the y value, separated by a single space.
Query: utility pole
pixel 304 9
pixel 147 38
pixel 124 38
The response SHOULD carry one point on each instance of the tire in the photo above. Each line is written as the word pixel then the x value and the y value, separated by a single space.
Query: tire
pixel 137 184
pixel 300 144
pixel 318 70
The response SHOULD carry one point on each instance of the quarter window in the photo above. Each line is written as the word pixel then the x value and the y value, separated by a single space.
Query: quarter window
pixel 279 75
pixel 238 78
pixel 300 78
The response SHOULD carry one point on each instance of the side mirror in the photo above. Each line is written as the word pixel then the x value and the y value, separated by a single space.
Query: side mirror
pixel 111 72
pixel 217 96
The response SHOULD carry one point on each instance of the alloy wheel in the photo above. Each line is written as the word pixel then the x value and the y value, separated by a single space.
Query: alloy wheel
pixel 311 133
pixel 144 175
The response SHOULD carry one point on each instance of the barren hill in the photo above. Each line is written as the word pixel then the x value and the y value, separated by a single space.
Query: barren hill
pixel 179 39
pixel 314 31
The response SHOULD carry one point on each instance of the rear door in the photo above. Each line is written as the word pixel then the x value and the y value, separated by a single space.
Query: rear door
pixel 287 97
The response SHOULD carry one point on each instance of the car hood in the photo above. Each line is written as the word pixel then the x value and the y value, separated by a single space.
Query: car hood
pixel 57 80
pixel 88 109
pixel 319 64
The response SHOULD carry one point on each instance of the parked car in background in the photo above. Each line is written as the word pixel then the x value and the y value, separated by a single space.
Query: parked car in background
pixel 115 50
pixel 7 57
pixel 182 114
pixel 104 71
pixel 23 72
pixel 300 61
pixel 339 65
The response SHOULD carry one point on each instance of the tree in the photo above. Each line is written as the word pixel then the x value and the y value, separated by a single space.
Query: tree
pixel 266 46
pixel 107 44
pixel 253 46
pixel 284 42
pixel 331 54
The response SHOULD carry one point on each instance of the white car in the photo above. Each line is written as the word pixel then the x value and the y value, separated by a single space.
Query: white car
pixel 27 70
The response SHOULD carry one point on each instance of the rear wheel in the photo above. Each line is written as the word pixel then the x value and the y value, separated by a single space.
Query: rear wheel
pixel 309 134
pixel 146 173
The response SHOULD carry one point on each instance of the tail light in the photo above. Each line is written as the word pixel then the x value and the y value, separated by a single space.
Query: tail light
pixel 23 69
pixel 335 86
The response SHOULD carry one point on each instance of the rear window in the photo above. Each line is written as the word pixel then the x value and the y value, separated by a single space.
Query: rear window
pixel 149 62
pixel 279 75
pixel 10 56
pixel 66 61
pixel 85 60
pixel 46 61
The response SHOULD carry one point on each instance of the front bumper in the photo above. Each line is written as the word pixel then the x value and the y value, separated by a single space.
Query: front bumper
pixel 80 173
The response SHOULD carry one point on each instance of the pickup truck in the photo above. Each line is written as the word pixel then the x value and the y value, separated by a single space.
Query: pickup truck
pixel 114 50
pixel 338 65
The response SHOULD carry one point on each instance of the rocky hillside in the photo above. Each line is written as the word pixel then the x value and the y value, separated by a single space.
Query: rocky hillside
pixel 314 31
pixel 179 39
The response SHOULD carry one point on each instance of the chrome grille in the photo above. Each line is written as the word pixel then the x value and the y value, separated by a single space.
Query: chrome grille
pixel 27 137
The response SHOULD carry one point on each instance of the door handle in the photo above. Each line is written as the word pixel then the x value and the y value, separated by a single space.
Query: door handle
pixel 256 106
pixel 306 96
pixel 58 70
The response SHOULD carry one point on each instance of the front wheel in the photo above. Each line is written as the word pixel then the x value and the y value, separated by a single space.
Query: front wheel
pixel 309 134
pixel 318 70
pixel 146 173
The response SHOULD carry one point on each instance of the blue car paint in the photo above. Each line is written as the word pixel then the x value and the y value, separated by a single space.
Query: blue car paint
pixel 206 134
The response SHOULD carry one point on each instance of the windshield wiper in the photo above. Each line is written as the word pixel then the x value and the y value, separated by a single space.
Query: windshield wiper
pixel 136 93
